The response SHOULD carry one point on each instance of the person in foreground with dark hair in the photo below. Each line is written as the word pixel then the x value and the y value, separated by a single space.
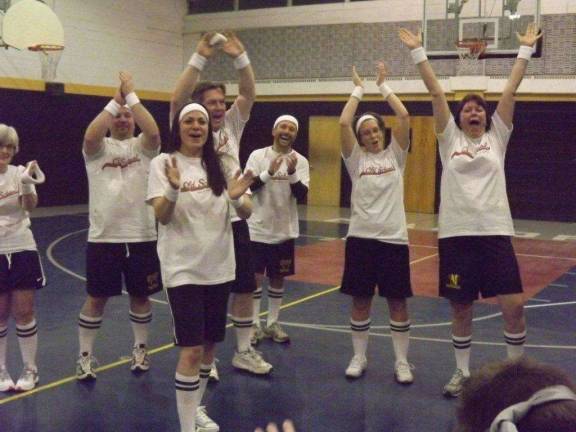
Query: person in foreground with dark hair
pixel 517 396
pixel 475 226
pixel 191 198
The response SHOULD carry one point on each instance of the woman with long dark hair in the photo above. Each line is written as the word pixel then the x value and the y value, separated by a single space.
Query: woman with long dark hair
pixel 191 199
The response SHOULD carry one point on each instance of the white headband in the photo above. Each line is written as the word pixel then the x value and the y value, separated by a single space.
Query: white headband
pixel 507 419
pixel 193 107
pixel 286 117
pixel 363 119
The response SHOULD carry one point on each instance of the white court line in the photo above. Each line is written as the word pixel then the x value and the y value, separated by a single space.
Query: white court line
pixel 431 325
pixel 70 272
pixel 534 299
pixel 425 339
pixel 558 285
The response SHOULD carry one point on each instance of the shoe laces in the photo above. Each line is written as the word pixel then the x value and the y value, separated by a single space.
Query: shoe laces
pixel 457 377
pixel 28 372
pixel 139 352
pixel 357 361
pixel 403 366
pixel 88 361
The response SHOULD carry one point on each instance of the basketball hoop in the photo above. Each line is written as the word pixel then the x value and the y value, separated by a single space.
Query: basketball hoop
pixel 469 53
pixel 49 58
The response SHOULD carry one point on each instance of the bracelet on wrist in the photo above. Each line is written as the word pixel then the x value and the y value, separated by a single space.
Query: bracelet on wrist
pixel 358 92
pixel 525 52
pixel 171 194
pixel 385 90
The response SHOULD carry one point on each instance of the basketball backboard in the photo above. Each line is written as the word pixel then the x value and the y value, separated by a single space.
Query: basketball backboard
pixel 447 22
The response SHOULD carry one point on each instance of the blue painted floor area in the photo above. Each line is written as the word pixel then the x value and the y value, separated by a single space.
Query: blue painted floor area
pixel 307 384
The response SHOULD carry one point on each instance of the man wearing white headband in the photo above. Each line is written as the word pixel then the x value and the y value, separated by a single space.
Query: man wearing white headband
pixel 122 234
pixel 517 396
pixel 283 179
pixel 228 126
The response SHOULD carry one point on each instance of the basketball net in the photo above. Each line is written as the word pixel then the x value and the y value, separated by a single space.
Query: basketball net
pixel 49 58
pixel 469 53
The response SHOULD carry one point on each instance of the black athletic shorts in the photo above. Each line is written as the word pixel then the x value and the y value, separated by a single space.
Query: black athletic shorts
pixel 199 313
pixel 21 271
pixel 275 260
pixel 477 265
pixel 245 281
pixel 370 263
pixel 138 263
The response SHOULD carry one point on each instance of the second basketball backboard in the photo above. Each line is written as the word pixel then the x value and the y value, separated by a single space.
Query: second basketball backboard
pixel 447 22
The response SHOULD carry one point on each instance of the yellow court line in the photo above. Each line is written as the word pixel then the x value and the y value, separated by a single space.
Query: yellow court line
pixel 151 352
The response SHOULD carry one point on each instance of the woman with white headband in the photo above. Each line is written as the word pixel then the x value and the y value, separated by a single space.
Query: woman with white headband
pixel 517 396
pixel 20 267
pixel 475 226
pixel 191 199
pixel 377 241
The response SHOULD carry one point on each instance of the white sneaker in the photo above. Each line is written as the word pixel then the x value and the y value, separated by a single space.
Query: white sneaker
pixel 27 380
pixel 6 383
pixel 140 360
pixel 251 361
pixel 356 367
pixel 403 372
pixel 205 423
pixel 85 367
pixel 454 386
pixel 214 376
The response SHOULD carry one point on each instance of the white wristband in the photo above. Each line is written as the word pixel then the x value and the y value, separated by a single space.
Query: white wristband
pixel 198 61
pixel 525 52
pixel 113 108
pixel 265 176
pixel 131 99
pixel 171 194
pixel 241 61
pixel 385 90
pixel 418 55
pixel 27 188
pixel 236 203
pixel 293 178
pixel 358 92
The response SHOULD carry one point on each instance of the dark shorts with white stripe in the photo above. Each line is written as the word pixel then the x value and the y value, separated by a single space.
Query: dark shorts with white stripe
pixel 106 263
pixel 199 313
pixel 477 265
pixel 21 271
pixel 245 281
pixel 371 263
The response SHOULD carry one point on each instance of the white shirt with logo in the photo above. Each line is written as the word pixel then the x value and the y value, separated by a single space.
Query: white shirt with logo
pixel 274 216
pixel 15 233
pixel 473 198
pixel 378 194
pixel 227 145
pixel 196 246
pixel 118 179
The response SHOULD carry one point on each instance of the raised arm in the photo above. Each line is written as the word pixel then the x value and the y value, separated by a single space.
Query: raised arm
pixel 402 130
pixel 505 108
pixel 191 74
pixel 29 198
pixel 142 116
pixel 347 137
pixel 246 81
pixel 98 128
pixel 439 103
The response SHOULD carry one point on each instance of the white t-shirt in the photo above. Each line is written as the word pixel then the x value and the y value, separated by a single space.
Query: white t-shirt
pixel 15 233
pixel 274 216
pixel 378 194
pixel 473 199
pixel 117 179
pixel 196 246
pixel 227 145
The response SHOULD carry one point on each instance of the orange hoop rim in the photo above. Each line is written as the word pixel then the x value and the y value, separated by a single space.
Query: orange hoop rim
pixel 474 46
pixel 46 47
